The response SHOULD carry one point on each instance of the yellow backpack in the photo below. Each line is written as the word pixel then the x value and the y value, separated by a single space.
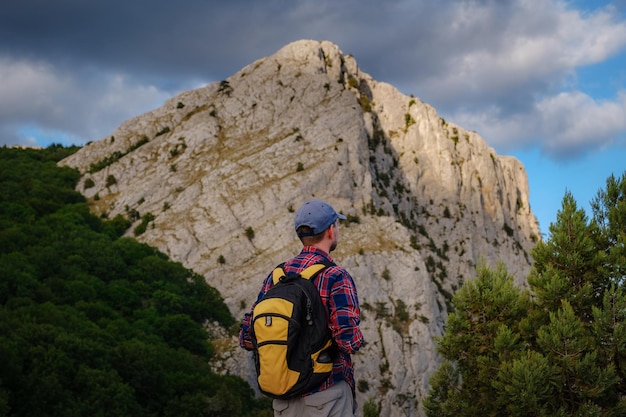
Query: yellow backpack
pixel 290 335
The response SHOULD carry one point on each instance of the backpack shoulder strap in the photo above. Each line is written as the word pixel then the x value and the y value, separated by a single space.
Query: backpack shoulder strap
pixel 311 272
pixel 278 273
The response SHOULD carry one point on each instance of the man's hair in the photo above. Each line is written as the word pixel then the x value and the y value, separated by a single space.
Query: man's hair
pixel 309 240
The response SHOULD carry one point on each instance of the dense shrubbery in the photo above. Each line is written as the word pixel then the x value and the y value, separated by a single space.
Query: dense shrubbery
pixel 92 323
pixel 557 348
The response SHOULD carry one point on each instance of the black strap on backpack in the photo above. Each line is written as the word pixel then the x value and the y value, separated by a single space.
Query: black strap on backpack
pixel 309 272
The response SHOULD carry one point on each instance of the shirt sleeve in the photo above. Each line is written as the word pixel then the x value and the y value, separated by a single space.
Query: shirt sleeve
pixel 245 340
pixel 345 314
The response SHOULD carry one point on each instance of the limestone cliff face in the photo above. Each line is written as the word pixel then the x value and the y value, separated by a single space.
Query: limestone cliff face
pixel 218 172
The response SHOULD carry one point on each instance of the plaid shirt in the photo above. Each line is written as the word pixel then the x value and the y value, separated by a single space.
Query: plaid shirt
pixel 338 293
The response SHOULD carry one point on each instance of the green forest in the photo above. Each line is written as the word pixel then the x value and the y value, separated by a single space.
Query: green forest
pixel 96 324
pixel 93 323
pixel 554 348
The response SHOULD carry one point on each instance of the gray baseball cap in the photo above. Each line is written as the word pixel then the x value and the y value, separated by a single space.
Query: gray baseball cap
pixel 318 215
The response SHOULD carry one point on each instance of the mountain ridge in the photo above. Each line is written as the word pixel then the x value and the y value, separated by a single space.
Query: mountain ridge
pixel 221 169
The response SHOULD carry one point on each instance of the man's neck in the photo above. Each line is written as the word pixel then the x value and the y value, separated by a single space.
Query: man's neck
pixel 319 247
pixel 324 246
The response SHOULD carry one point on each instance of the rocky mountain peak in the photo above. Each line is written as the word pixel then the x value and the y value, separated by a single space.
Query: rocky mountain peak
pixel 214 176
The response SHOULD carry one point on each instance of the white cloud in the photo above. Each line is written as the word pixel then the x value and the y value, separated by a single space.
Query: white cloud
pixel 519 86
pixel 118 100
pixel 589 39
pixel 26 88
pixel 564 125
pixel 35 97
pixel 518 130
pixel 531 47
pixel 577 121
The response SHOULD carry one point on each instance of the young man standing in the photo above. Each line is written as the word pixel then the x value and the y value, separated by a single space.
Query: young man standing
pixel 316 224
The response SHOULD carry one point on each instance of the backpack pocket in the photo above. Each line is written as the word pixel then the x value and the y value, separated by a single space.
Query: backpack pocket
pixel 274 375
pixel 271 326
pixel 322 359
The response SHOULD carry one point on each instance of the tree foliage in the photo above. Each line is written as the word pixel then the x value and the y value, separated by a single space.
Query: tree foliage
pixel 556 348
pixel 95 324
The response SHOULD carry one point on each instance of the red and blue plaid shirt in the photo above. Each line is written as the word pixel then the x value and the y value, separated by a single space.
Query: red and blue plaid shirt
pixel 338 293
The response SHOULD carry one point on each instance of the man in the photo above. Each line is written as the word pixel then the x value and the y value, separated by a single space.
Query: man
pixel 316 224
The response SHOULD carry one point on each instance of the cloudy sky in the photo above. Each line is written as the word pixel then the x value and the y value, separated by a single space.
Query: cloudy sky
pixel 542 80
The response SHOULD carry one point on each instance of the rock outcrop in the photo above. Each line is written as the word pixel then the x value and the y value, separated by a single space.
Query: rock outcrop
pixel 216 174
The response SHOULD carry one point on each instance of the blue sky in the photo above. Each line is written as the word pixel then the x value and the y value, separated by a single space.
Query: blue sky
pixel 543 81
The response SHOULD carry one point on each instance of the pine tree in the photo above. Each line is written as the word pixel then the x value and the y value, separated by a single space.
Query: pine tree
pixel 609 208
pixel 483 331
pixel 565 266
pixel 558 349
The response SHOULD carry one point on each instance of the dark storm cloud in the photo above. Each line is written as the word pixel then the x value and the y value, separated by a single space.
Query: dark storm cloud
pixel 157 37
pixel 496 67
pixel 212 39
